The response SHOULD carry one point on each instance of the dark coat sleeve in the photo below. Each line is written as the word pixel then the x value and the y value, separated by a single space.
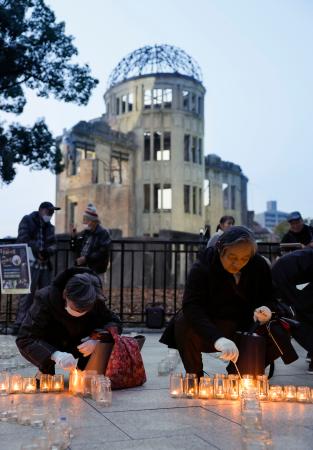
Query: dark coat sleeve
pixel 290 270
pixel 25 235
pixel 195 293
pixel 102 251
pixel 31 338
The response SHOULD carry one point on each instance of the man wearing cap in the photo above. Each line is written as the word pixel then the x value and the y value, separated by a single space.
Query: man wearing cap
pixel 38 233
pixel 299 232
pixel 92 246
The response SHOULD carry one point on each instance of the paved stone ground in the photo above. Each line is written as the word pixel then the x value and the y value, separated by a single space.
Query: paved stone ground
pixel 147 418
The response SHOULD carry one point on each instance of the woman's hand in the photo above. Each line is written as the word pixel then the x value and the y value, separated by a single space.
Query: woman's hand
pixel 228 348
pixel 262 314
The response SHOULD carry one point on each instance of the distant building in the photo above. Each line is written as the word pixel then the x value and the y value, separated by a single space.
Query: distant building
pixel 142 163
pixel 271 217
pixel 225 191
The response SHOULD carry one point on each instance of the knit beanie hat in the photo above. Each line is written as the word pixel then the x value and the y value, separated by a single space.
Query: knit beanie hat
pixel 83 289
pixel 91 213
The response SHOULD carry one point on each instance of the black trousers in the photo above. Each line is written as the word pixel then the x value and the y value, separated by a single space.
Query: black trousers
pixel 190 344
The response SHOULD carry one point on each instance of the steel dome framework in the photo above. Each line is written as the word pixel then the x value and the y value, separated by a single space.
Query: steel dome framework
pixel 156 59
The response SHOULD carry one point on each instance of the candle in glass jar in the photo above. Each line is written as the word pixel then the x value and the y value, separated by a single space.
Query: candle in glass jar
pixel 75 382
pixel 290 393
pixel 205 388
pixel 262 386
pixel 29 385
pixel 176 385
pixel 247 382
pixel 220 385
pixel 45 383
pixel 303 394
pixel 58 383
pixel 276 393
pixel 16 384
pixel 191 385
pixel 4 383
pixel 233 387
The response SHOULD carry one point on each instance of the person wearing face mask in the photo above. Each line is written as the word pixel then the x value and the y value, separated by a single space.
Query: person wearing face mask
pixel 38 233
pixel 92 245
pixel 228 289
pixel 59 328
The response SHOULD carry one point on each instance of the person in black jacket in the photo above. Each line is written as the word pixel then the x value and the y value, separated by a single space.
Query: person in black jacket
pixel 228 288
pixel 299 232
pixel 38 233
pixel 293 281
pixel 92 246
pixel 60 326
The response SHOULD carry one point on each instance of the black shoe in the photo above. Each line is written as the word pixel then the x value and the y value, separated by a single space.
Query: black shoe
pixel 310 369
pixel 308 357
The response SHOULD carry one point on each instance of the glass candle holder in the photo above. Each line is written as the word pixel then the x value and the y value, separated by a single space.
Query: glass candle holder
pixel 104 392
pixel 38 417
pixel 220 385
pixel 4 383
pixel 256 439
pixel 191 385
pixel 76 382
pixel 57 383
pixel 205 389
pixel 276 393
pixel 23 414
pixel 251 419
pixel 29 385
pixel 16 383
pixel 45 383
pixel 247 382
pixel 164 367
pixel 87 378
pixel 290 393
pixel 233 387
pixel 262 386
pixel 176 385
pixel 303 394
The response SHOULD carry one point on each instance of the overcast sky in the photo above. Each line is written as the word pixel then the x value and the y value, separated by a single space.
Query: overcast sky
pixel 256 59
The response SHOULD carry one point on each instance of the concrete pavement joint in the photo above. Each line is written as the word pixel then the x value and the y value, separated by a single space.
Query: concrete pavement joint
pixel 112 423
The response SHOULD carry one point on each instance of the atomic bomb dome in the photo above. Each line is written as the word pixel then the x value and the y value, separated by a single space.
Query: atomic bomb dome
pixel 156 59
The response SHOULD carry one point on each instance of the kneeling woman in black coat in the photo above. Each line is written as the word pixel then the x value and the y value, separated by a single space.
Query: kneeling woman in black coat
pixel 228 288
pixel 64 317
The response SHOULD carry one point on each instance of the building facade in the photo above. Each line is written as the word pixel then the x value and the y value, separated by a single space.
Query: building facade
pixel 142 164
pixel 271 217
pixel 225 192
pixel 165 111
pixel 99 168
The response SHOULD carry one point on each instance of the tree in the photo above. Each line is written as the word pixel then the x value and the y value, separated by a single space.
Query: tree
pixel 281 228
pixel 35 53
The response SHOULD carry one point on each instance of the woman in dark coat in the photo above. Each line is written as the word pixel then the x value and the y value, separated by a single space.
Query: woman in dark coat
pixel 228 288
pixel 59 327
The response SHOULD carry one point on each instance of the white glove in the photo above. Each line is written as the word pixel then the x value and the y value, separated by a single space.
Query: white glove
pixel 262 314
pixel 64 360
pixel 228 348
pixel 87 347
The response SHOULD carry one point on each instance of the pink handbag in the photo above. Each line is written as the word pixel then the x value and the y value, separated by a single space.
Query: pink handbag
pixel 125 367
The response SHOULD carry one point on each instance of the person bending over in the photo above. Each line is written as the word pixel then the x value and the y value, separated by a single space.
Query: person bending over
pixel 228 288
pixel 64 317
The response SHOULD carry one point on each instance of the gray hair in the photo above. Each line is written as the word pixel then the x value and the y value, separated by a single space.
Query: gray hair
pixel 236 235
pixel 83 289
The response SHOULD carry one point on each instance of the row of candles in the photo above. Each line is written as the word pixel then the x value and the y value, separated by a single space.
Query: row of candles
pixel 231 387
pixel 15 384
pixel 87 383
